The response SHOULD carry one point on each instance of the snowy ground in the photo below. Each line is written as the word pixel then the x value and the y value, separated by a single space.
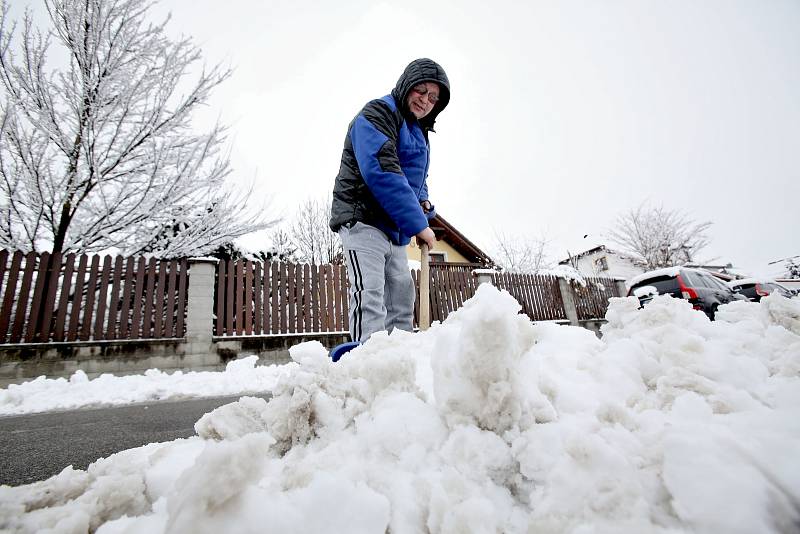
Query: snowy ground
pixel 486 423
pixel 49 394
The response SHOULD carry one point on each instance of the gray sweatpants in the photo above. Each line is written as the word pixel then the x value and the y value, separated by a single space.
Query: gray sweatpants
pixel 381 294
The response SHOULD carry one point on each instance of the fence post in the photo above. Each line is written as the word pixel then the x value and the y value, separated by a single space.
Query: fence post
pixel 623 290
pixel 484 276
pixel 200 306
pixel 568 298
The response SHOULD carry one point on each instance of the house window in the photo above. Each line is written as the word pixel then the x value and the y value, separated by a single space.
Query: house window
pixel 601 263
pixel 437 257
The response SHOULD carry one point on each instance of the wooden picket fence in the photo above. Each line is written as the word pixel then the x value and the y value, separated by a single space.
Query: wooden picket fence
pixel 450 287
pixel 254 298
pixel 538 294
pixel 76 298
pixel 283 298
pixel 453 284
pixel 591 300
pixel 69 298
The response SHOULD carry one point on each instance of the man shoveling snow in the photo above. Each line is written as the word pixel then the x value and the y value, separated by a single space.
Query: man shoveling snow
pixel 380 199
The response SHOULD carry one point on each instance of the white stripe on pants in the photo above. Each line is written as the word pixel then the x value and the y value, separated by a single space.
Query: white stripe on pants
pixel 381 294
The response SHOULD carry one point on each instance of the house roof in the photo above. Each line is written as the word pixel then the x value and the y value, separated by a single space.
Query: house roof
pixel 447 232
pixel 599 248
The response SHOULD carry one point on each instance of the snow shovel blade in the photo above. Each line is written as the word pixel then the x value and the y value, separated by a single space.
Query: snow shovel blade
pixel 340 350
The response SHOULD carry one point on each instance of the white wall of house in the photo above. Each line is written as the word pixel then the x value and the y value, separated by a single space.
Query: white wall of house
pixel 609 264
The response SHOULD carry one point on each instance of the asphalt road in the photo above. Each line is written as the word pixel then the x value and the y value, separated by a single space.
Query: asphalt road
pixel 36 447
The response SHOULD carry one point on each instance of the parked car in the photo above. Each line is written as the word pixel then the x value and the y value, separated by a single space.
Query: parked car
pixel 754 289
pixel 702 289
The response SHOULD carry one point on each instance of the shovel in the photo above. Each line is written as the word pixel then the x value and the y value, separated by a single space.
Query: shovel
pixel 424 289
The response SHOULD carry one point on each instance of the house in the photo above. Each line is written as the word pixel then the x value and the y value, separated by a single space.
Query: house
pixel 452 246
pixel 605 262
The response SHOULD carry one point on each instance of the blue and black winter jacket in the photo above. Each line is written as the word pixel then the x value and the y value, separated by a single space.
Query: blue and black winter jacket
pixel 384 168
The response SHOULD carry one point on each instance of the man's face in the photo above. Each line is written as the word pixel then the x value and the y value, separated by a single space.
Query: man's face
pixel 422 98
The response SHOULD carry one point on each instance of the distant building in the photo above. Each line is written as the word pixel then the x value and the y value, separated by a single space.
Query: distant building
pixel 605 262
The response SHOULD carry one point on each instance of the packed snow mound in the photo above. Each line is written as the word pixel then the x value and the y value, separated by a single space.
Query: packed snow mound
pixel 46 394
pixel 485 423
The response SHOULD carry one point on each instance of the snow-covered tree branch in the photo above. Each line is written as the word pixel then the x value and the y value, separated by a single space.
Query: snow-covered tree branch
pixel 793 267
pixel 660 237
pixel 282 247
pixel 101 154
pixel 520 254
pixel 311 235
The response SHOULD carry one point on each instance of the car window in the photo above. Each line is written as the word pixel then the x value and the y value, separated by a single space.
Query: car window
pixel 644 291
pixel 692 279
pixel 771 286
pixel 786 292
pixel 664 284
pixel 748 290
pixel 714 283
pixel 700 279
pixel 721 283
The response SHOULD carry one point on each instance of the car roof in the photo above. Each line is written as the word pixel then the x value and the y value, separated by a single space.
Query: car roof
pixel 666 271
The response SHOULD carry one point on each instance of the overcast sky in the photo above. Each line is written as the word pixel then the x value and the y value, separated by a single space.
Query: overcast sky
pixel 563 114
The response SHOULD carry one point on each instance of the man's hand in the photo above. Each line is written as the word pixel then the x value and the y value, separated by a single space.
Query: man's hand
pixel 426 236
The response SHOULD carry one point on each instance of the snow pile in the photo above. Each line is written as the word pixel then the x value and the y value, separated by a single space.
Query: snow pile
pixel 45 394
pixel 486 423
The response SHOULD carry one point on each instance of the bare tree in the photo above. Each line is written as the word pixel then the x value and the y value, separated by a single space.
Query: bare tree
pixel 311 235
pixel 282 247
pixel 101 154
pixel 660 237
pixel 520 254
pixel 793 267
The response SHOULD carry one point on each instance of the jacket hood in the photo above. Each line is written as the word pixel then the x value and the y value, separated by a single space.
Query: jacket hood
pixel 418 71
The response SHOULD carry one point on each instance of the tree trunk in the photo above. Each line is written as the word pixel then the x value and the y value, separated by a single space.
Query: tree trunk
pixel 63 225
